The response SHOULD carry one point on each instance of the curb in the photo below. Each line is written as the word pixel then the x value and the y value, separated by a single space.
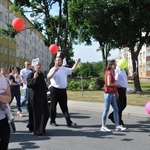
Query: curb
pixel 131 112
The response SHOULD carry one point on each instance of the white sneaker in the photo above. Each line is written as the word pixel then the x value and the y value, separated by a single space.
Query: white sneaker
pixel 120 128
pixel 105 129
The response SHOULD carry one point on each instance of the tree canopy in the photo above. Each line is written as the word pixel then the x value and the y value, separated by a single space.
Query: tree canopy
pixel 117 23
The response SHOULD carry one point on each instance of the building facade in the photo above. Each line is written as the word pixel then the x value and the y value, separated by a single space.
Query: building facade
pixel 143 60
pixel 27 44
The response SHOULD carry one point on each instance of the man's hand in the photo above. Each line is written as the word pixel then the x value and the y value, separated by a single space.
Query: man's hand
pixel 117 95
pixel 56 68
pixel 36 75
pixel 78 61
pixel 76 64
pixel 134 74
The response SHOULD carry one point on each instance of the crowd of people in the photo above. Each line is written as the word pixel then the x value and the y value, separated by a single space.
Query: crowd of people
pixel 35 96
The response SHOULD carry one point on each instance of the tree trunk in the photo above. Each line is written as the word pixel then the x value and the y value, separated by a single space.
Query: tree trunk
pixel 137 85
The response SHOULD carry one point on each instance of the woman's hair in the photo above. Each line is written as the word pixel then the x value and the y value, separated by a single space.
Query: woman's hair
pixel 18 69
pixel 11 68
pixel 110 63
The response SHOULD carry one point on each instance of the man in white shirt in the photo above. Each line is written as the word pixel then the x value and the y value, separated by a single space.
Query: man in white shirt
pixel 58 79
pixel 24 73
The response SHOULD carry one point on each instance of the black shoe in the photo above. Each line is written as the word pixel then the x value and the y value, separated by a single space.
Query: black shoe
pixel 111 119
pixel 30 128
pixel 54 124
pixel 72 125
pixel 12 127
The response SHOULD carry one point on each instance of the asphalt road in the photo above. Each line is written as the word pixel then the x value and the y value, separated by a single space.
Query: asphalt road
pixel 86 136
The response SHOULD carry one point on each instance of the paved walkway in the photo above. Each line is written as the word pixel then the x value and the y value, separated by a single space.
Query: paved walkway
pixel 129 112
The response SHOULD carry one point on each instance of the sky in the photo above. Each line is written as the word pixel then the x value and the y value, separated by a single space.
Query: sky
pixel 89 53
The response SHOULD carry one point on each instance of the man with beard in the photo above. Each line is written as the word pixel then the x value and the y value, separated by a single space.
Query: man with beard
pixel 58 78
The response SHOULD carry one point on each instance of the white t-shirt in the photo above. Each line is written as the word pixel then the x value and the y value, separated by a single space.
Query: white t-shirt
pixel 59 79
pixel 121 77
pixel 3 87
pixel 24 72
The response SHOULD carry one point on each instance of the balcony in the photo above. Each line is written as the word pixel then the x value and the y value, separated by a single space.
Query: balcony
pixel 148 73
pixel 147 58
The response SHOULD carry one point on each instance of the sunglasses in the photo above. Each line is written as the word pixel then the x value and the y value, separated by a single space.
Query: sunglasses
pixel 28 64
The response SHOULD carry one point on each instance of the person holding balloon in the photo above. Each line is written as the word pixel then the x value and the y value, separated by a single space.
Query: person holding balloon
pixel 58 79
pixel 122 80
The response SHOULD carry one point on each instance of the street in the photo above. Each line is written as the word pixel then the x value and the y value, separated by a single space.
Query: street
pixel 86 136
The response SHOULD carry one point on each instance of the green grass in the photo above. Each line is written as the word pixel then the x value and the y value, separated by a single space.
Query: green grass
pixel 137 99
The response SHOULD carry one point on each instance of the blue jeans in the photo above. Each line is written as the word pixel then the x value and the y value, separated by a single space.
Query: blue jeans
pixel 110 100
pixel 25 99
pixel 16 94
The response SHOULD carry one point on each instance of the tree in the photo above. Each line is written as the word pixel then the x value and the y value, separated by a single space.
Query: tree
pixel 56 29
pixel 98 69
pixel 92 23
pixel 132 22
pixel 119 23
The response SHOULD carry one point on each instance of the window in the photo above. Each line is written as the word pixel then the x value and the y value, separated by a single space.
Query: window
pixel 143 67
pixel 6 4
pixel 10 52
pixel 6 18
pixel 6 50
pixel 10 21
pixel 140 56
pixel 1 50
pixel 143 55
pixel 1 16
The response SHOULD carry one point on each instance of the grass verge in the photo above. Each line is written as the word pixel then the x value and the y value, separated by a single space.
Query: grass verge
pixel 137 99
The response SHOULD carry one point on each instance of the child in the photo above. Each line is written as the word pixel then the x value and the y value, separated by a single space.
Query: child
pixel 6 108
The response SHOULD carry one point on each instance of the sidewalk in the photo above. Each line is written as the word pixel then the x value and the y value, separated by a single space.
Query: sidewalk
pixel 129 112
pixel 138 112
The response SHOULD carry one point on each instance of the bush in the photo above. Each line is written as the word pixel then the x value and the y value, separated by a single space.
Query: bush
pixel 86 84
pixel 74 85
pixel 96 83
pixel 92 84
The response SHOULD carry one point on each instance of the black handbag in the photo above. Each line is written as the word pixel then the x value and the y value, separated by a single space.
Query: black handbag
pixel 48 96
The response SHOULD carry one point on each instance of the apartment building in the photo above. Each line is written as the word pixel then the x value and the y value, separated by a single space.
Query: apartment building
pixel 143 60
pixel 27 45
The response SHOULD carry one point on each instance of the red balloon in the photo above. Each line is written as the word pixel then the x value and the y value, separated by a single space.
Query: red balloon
pixel 18 24
pixel 53 48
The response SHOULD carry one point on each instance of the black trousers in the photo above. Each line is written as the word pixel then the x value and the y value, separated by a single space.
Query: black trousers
pixel 59 96
pixel 4 134
pixel 121 103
